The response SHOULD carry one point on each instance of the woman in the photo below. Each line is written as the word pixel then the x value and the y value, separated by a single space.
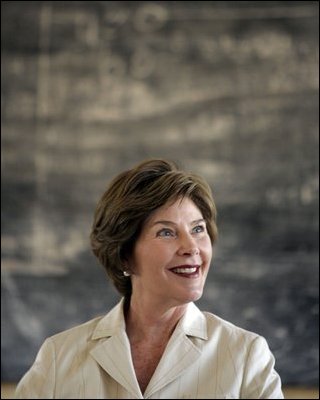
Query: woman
pixel 153 232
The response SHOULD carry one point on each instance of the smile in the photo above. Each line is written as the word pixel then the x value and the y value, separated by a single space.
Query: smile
pixel 186 270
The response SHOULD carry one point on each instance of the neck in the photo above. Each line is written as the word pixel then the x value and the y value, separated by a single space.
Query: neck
pixel 148 322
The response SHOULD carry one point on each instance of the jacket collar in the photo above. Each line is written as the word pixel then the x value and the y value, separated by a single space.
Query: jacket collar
pixel 193 323
pixel 113 352
pixel 112 323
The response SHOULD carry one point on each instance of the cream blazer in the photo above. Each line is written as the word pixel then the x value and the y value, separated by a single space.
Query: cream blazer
pixel 206 358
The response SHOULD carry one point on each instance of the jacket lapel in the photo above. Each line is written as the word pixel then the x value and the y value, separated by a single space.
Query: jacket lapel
pixel 181 351
pixel 179 355
pixel 112 351
pixel 114 356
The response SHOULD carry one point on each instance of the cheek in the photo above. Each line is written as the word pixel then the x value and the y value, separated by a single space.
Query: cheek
pixel 154 252
pixel 208 257
pixel 162 250
pixel 207 250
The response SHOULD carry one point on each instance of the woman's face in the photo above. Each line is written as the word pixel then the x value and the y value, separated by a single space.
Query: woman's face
pixel 171 258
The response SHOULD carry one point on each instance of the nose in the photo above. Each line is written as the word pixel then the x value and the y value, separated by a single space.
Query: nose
pixel 188 246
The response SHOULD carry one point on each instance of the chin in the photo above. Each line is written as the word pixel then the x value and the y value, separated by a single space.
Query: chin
pixel 195 295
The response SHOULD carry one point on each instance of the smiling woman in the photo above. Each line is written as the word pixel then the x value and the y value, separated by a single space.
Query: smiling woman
pixel 171 259
pixel 131 200
pixel 153 232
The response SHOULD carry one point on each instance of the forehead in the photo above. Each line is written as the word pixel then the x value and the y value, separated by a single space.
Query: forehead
pixel 176 210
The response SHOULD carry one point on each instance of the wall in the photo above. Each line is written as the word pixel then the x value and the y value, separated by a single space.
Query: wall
pixel 227 89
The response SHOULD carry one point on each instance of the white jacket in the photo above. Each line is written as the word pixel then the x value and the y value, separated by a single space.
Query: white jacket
pixel 206 358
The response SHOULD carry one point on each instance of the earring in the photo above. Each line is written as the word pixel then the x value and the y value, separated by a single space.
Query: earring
pixel 125 273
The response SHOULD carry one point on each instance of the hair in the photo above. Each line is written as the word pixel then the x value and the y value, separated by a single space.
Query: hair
pixel 128 202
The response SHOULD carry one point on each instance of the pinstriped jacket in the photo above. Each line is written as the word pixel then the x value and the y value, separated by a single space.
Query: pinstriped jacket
pixel 206 358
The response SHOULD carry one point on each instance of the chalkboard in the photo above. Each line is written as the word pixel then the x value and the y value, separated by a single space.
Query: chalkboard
pixel 229 90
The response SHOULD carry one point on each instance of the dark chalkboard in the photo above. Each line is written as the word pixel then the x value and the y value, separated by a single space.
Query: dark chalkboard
pixel 228 89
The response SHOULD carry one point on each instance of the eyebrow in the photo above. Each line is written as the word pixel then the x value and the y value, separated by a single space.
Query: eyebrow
pixel 162 222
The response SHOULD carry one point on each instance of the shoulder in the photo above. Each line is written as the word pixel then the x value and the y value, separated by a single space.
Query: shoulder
pixel 209 326
pixel 218 325
pixel 84 335
pixel 247 354
pixel 217 334
pixel 232 337
pixel 56 357
pixel 82 332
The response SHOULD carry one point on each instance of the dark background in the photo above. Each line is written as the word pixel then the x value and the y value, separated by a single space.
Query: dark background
pixel 228 89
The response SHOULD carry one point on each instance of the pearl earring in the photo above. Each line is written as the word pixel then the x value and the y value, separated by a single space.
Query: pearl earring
pixel 125 273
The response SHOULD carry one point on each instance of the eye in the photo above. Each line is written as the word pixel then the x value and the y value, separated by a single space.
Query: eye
pixel 165 233
pixel 198 229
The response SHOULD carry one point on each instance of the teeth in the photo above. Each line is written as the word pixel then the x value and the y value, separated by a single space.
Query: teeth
pixel 185 270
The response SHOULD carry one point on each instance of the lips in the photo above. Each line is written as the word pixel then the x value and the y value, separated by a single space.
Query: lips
pixel 186 270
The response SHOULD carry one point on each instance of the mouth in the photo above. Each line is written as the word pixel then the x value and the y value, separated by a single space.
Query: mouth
pixel 186 271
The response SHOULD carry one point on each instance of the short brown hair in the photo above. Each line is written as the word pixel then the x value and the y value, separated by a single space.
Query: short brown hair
pixel 130 199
